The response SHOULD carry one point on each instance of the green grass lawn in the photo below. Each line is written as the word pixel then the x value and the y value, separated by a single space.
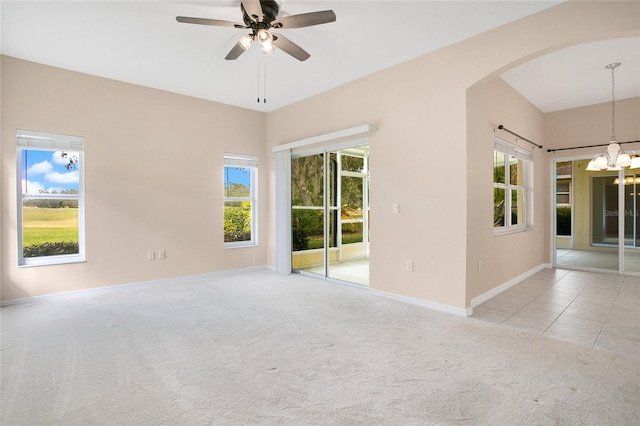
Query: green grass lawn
pixel 45 225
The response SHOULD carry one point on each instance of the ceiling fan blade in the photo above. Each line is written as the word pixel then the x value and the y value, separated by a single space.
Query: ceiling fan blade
pixel 290 47
pixel 253 8
pixel 235 52
pixel 206 21
pixel 305 19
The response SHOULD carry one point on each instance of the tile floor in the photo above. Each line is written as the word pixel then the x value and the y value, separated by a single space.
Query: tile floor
pixel 353 271
pixel 597 310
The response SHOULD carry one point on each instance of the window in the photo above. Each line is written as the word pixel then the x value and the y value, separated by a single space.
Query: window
pixel 512 188
pixel 240 200
pixel 50 199
pixel 563 183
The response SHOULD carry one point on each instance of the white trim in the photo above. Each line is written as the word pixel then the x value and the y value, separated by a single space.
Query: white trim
pixel 29 139
pixel 282 206
pixel 335 147
pixel 354 131
pixel 248 162
pixel 511 149
pixel 240 160
pixel 109 288
pixel 463 312
pixel 478 300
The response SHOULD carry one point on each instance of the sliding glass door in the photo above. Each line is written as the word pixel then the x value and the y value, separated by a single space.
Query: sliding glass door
pixel 596 218
pixel 330 214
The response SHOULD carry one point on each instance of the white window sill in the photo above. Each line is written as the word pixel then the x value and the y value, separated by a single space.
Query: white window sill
pixel 498 232
pixel 239 245
pixel 51 260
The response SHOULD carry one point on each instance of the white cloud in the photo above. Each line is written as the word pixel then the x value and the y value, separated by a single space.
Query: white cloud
pixel 56 177
pixel 40 168
pixel 29 187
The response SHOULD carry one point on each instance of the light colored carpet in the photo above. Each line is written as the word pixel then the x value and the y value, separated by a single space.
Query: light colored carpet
pixel 261 348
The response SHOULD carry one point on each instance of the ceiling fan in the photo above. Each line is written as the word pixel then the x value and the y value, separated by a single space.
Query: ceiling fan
pixel 260 17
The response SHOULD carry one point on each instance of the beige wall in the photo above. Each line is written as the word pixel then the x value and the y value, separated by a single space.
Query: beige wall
pixel 153 177
pixel 153 157
pixel 591 125
pixel 420 110
pixel 489 104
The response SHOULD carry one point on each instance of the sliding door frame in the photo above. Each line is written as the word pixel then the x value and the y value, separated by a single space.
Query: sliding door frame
pixel 621 219
pixel 326 151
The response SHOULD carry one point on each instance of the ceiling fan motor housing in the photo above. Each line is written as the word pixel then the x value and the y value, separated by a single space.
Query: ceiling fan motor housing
pixel 270 11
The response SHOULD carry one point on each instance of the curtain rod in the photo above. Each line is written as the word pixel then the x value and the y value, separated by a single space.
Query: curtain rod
pixel 501 127
pixel 587 146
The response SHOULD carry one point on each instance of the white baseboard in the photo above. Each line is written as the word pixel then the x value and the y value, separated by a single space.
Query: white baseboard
pixel 425 303
pixel 32 299
pixel 478 300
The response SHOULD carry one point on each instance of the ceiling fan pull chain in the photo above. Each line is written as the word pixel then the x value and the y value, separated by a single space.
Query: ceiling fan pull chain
pixel 258 81
pixel 264 98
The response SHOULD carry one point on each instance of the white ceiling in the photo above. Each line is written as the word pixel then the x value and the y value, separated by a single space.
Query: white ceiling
pixel 140 42
pixel 576 76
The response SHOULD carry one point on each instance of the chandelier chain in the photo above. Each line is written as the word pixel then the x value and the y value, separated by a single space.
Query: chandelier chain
pixel 613 103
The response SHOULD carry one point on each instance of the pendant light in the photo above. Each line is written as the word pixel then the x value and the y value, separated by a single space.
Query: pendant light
pixel 613 157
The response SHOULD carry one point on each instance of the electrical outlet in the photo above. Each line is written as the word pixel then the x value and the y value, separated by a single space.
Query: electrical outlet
pixel 479 265
pixel 409 266
pixel 151 255
pixel 396 209
pixel 162 254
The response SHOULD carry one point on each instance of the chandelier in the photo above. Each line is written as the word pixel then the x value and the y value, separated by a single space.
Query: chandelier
pixel 613 157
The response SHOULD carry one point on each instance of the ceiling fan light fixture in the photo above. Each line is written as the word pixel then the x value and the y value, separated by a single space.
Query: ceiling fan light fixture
pixel 259 16
pixel 246 41
pixel 265 38
pixel 267 47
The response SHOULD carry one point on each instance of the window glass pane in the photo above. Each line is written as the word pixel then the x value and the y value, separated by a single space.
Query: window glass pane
pixel 307 176
pixel 498 167
pixel 563 221
pixel 515 171
pixel 48 171
pixel 237 181
pixel 562 187
pixel 352 233
pixel 49 227
pixel 563 168
pixel 498 207
pixel 352 164
pixel 517 204
pixel 237 221
pixel 307 229
pixel 563 199
pixel 352 192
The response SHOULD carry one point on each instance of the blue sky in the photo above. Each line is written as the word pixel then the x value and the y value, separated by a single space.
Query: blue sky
pixel 239 175
pixel 45 171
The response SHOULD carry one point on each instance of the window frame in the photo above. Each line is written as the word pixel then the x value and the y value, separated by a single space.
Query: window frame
pixel 511 151
pixel 38 141
pixel 250 162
